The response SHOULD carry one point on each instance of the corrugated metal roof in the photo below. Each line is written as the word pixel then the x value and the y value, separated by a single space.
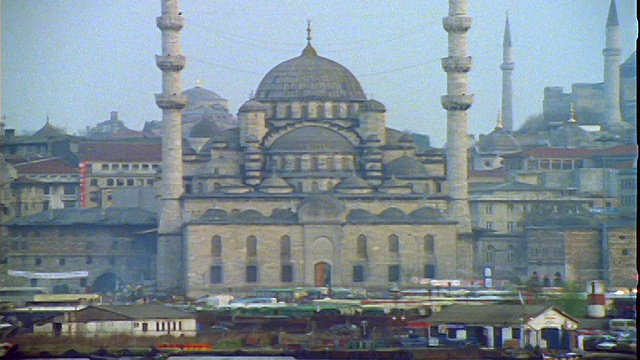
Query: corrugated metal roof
pixel 120 151
pixel 46 166
pixel 492 314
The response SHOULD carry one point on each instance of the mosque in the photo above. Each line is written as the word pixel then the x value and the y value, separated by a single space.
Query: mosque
pixel 312 189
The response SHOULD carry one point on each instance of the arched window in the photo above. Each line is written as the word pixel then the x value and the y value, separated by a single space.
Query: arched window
pixel 361 245
pixel 489 253
pixel 314 163
pixel 394 243
pixel 314 186
pixel 429 244
pixel 200 188
pixel 335 109
pixel 346 163
pixel 283 163
pixel 320 111
pixel 331 165
pixel 252 246
pixel 304 112
pixel 216 246
pixel 285 248
pixel 298 164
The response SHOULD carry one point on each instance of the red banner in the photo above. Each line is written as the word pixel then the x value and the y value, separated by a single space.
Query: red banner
pixel 83 183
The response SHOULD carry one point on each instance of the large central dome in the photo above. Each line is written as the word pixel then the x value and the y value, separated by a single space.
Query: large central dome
pixel 309 77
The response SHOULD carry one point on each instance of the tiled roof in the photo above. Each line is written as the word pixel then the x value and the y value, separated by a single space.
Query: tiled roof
pixel 545 152
pixel 120 151
pixel 93 216
pixel 129 312
pixel 493 314
pixel 45 166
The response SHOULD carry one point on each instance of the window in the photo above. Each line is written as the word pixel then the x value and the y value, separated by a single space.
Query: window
pixel 119 182
pixel 346 163
pixel 105 167
pixel 285 248
pixel 34 282
pixel 511 209
pixel 488 209
pixel 489 253
pixel 38 261
pixel 252 246
pixel 47 190
pixel 314 163
pixel 125 166
pixel 362 246
pixel 145 327
pixel 216 246
pixel 394 244
pixel 115 166
pixel 89 260
pixel 62 261
pixel 24 245
pixel 110 182
pixel 129 182
pixel 429 271
pixel 556 164
pixel 625 252
pixel 93 182
pixel 252 274
pixel 544 164
pixel 135 167
pixel 511 226
pixel 489 225
pixel 286 273
pixel 394 273
pixel 69 189
pixel 83 282
pixel 216 274
pixel 297 163
pixel 358 273
pixel 429 244
pixel 566 164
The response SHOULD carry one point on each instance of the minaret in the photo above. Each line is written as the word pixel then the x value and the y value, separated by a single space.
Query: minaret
pixel 612 68
pixel 171 101
pixel 507 85
pixel 456 102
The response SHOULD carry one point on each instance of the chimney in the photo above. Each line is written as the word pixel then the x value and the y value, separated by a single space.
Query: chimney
pixel 114 115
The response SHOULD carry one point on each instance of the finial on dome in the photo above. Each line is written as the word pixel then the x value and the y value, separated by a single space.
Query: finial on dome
pixel 573 119
pixel 499 124
pixel 199 83
pixel 309 50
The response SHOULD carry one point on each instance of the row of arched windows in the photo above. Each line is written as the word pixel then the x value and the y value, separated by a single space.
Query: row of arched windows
pixel 394 245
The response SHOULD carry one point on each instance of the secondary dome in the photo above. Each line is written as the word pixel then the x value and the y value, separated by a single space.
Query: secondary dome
pixel 309 77
pixel 312 138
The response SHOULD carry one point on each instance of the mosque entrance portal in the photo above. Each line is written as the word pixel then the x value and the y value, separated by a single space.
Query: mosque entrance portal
pixel 322 274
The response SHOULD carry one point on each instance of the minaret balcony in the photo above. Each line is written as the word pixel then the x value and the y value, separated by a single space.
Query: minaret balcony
pixel 456 24
pixel 457 64
pixel 509 66
pixel 170 63
pixel 456 102
pixel 169 102
pixel 611 52
pixel 170 22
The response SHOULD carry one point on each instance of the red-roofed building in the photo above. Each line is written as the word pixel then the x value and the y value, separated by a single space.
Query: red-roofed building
pixel 45 184
pixel 105 165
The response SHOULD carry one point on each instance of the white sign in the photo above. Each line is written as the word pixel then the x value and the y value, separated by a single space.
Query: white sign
pixel 49 275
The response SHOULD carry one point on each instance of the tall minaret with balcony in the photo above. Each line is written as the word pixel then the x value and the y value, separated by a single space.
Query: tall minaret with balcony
pixel 171 101
pixel 612 67
pixel 507 67
pixel 457 102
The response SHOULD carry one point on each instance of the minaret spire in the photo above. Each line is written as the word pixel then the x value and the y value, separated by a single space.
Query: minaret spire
pixel 573 119
pixel 309 50
pixel 456 103
pixel 612 67
pixel 499 122
pixel 507 67
pixel 309 31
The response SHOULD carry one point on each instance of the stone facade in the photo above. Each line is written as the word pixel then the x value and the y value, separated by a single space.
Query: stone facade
pixel 622 242
pixel 80 248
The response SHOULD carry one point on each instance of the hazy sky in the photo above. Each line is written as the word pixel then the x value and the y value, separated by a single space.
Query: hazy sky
pixel 77 60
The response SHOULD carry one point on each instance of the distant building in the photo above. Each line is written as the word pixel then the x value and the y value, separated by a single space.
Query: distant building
pixel 94 249
pixel 110 320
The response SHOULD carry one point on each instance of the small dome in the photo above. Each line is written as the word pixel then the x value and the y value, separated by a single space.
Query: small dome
pixel 321 208
pixel 251 106
pixel 360 215
pixel 570 135
pixel 309 77
pixel 405 168
pixel 275 184
pixel 424 214
pixel 205 128
pixel 312 138
pixel 499 141
pixel 353 184
pixel 198 94
pixel 392 214
pixel 373 106
pixel 48 131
